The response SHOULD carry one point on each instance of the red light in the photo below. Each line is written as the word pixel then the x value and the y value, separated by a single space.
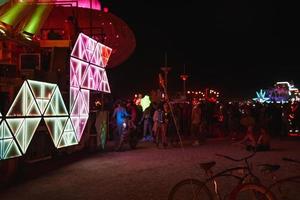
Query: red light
pixel 105 9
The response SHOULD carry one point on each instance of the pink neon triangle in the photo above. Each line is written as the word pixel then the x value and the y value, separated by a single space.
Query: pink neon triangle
pixel 73 74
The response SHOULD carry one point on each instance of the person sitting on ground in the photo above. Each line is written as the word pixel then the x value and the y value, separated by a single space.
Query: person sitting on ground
pixel 249 140
pixel 264 140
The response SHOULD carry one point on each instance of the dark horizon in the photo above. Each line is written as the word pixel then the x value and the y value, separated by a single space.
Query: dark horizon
pixel 236 47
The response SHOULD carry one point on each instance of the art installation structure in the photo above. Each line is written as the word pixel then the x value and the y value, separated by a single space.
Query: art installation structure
pixel 39 100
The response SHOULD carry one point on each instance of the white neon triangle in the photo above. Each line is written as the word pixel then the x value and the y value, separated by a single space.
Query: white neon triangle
pixel 4 131
pixel 10 149
pixel 55 127
pixel 56 106
pixel 42 104
pixel 22 101
pixel 33 110
pixel 15 124
pixel 25 133
pixel 41 90
pixel 68 137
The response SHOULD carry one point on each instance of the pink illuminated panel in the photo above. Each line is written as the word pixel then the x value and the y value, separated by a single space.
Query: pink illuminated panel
pixel 88 4
pixel 39 100
pixel 105 54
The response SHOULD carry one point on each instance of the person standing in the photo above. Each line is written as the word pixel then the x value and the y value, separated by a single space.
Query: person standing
pixel 195 125
pixel 146 120
pixel 119 115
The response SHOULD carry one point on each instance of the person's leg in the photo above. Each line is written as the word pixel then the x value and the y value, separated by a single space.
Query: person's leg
pixel 164 135
pixel 145 129
pixel 149 131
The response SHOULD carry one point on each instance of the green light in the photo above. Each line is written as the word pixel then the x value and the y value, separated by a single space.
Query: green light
pixel 3 2
pixel 14 14
pixel 145 102
pixel 38 17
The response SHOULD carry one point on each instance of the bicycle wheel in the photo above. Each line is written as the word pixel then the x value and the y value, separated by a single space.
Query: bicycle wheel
pixel 251 191
pixel 190 189
pixel 222 185
pixel 286 189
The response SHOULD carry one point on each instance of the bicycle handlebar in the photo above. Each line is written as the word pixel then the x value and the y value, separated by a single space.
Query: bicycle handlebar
pixel 291 160
pixel 234 159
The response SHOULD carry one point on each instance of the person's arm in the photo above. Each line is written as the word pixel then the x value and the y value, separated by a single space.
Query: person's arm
pixel 114 114
pixel 259 139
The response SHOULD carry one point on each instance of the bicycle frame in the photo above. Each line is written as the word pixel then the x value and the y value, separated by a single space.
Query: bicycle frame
pixel 247 172
pixel 228 172
pixel 279 182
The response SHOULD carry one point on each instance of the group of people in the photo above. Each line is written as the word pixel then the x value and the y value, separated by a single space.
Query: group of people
pixel 156 122
pixel 162 124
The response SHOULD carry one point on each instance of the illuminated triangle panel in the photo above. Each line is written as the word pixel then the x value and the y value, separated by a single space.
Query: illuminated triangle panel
pixel 79 123
pixel 105 54
pixel 96 58
pixel 78 69
pixel 104 85
pixel 36 100
pixel 55 127
pixel 73 95
pixel 8 147
pixel 25 131
pixel 56 106
pixel 42 93
pixel 68 137
pixel 22 103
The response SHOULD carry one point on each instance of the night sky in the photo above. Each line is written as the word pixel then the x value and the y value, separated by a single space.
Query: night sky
pixel 234 46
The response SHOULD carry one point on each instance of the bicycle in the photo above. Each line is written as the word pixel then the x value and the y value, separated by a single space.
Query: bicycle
pixel 286 188
pixel 245 182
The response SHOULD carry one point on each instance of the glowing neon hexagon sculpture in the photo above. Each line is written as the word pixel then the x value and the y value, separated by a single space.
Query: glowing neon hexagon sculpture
pixel 39 100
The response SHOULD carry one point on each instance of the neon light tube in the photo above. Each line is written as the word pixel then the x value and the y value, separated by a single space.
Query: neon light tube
pixel 37 19
pixel 15 13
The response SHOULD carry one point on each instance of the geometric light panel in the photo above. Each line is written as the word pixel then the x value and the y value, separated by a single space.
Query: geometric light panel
pixel 55 127
pixel 68 137
pixel 8 146
pixel 38 100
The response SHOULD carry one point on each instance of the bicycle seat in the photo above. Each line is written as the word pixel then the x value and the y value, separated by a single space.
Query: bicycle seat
pixel 268 168
pixel 206 166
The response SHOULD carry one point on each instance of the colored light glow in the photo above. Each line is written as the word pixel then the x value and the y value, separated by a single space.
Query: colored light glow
pixel 261 97
pixel 55 126
pixel 68 137
pixel 39 15
pixel 14 14
pixel 145 102
pixel 78 69
pixel 3 2
pixel 8 146
pixel 105 9
pixel 56 106
pixel 36 100
pixel 24 104
pixel 23 129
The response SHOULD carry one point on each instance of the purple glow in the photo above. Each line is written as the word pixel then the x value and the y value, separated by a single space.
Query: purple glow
pixel 90 4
